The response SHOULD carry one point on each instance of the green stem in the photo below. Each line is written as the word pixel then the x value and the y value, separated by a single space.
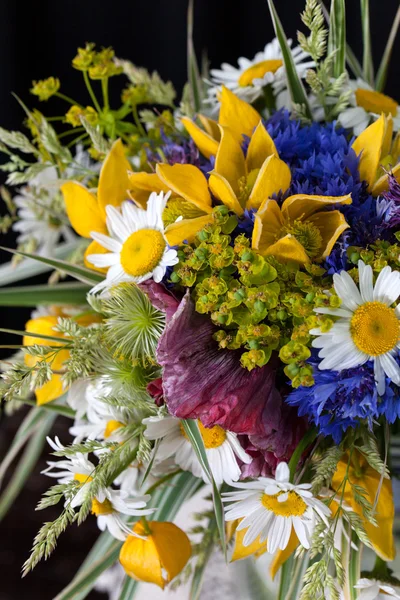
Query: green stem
pixel 155 485
pixel 76 140
pixel 137 121
pixel 104 89
pixel 146 527
pixel 55 119
pixel 91 92
pixel 70 132
pixel 67 99
pixel 301 447
pixel 380 570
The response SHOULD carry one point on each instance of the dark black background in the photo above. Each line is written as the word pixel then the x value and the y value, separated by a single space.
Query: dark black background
pixel 39 39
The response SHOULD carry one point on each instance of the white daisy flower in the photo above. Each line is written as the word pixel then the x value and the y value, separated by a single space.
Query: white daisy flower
pixel 138 248
pixel 365 105
pixel 271 508
pixel 222 448
pixel 368 328
pixel 248 79
pixel 372 589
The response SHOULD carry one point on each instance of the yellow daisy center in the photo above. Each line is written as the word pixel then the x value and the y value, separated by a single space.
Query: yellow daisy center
pixel 82 478
pixel 294 506
pixel 213 437
pixel 101 508
pixel 142 252
pixel 111 427
pixel 375 328
pixel 376 102
pixel 258 71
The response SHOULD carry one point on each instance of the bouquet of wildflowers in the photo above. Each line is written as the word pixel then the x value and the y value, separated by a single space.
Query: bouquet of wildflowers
pixel 222 317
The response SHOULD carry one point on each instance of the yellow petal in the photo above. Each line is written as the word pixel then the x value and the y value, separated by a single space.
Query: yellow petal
pixel 168 536
pixel 395 150
pixel 54 388
pixel 376 102
pixel 186 229
pixel 95 248
pixel 222 190
pixel 261 146
pixel 142 184
pixel 302 206
pixel 388 136
pixel 331 225
pixel 288 249
pixel 82 209
pixel 207 145
pixel 369 145
pixel 274 176
pixel 210 126
pixel 281 556
pixel 382 185
pixel 240 551
pixel 258 71
pixel 381 537
pixel 140 560
pixel 267 225
pixel 237 114
pixel 188 182
pixel 114 181
pixel 229 162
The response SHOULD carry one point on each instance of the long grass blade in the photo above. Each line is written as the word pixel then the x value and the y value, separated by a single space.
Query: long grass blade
pixel 194 78
pixel 337 36
pixel 384 66
pixel 368 65
pixel 63 293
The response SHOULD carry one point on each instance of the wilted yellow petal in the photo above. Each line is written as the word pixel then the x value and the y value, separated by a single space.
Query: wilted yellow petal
pixel 288 249
pixel 331 225
pixel 382 184
pixel 240 551
pixel 188 182
pixel 210 126
pixel 281 556
pixel 82 209
pixel 369 145
pixel 114 181
pixel 186 229
pixel 229 162
pixel 173 546
pixel 238 115
pixel 95 248
pixel 207 145
pixel 258 71
pixel 302 206
pixel 273 177
pixel 261 146
pixel 267 225
pixel 363 475
pixel 222 190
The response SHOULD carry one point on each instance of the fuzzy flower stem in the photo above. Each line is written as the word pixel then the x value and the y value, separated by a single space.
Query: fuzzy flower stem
pixel 301 447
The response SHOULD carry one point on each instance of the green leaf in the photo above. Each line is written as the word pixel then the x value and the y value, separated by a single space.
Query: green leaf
pixel 384 66
pixel 354 569
pixel 295 85
pixel 192 431
pixel 200 568
pixel 35 335
pixel 368 65
pixel 53 406
pixel 129 589
pixel 81 273
pixel 337 36
pixel 62 293
pixel 10 273
pixel 26 464
pixel 194 78
pixel 292 574
pixel 306 441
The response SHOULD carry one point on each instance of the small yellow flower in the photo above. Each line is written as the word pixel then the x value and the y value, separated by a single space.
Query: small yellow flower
pixel 75 112
pixel 103 65
pixel 84 59
pixel 158 555
pixel 45 88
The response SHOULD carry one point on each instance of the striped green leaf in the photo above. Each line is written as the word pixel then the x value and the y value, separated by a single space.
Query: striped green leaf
pixel 337 36
pixel 368 65
pixel 194 78
pixel 384 66
pixel 295 85
pixel 62 293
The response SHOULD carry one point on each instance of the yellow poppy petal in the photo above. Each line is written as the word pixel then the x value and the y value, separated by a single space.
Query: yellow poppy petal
pixel 140 560
pixel 388 136
pixel 302 206
pixel 186 229
pixel 168 536
pixel 238 115
pixel 207 145
pixel 240 551
pixel 229 162
pixel 261 146
pixel 210 126
pixel 82 209
pixel 147 182
pixel 331 225
pixel 274 176
pixel 267 225
pixel 382 185
pixel 188 182
pixel 114 182
pixel 54 388
pixel 258 71
pixel 45 326
pixel 369 145
pixel 95 248
pixel 222 190
pixel 281 556
pixel 376 102
pixel 288 249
